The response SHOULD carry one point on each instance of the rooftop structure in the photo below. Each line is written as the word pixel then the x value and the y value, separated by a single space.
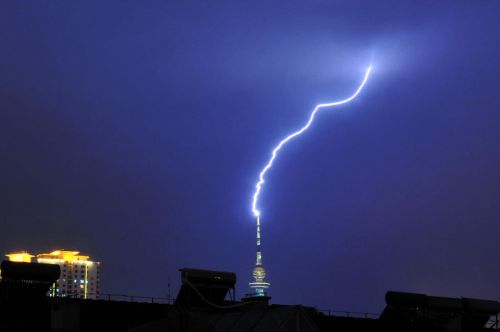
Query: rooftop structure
pixel 21 256
pixel 60 256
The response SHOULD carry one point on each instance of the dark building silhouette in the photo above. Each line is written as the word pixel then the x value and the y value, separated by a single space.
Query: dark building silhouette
pixel 206 302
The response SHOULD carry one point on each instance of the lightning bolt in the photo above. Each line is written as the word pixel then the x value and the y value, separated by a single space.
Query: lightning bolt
pixel 258 186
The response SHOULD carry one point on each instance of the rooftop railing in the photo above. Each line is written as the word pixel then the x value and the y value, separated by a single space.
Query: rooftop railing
pixel 350 314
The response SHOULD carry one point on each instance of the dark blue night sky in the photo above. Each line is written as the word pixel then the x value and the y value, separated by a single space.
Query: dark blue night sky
pixel 134 131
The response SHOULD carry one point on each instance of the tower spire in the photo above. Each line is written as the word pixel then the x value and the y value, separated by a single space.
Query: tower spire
pixel 259 274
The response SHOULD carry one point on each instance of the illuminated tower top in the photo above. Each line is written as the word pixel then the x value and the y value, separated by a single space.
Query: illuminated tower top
pixel 259 274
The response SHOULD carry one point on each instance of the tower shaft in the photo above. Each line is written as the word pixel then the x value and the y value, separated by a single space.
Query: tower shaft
pixel 259 274
pixel 259 252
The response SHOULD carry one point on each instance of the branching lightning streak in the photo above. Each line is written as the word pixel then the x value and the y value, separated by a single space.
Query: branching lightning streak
pixel 318 107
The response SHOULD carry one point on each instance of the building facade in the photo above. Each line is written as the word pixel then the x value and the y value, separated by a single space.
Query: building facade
pixel 80 277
